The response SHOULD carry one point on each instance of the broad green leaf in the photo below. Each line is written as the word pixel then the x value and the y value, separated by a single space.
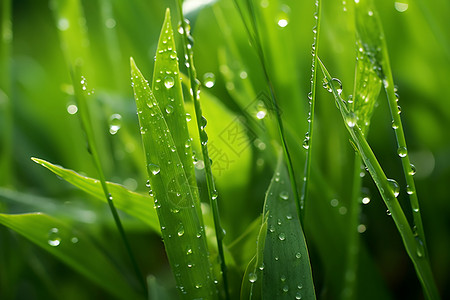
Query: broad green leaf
pixel 71 247
pixel 175 199
pixel 134 204
pixel 287 271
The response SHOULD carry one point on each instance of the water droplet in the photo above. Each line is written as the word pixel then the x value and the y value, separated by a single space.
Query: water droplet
pixel 252 277
pixel 155 169
pixel 402 151
pixel 282 236
pixel 388 212
pixel 203 123
pixel 188 117
pixel 147 184
pixel 409 190
pixel 298 296
pixel 180 231
pixel 63 24
pixel 394 125
pixel 412 170
pixel 334 202
pixel 284 195
pixel 351 120
pixel 399 109
pixel 365 200
pixel 189 251
pixel 298 255
pixel 393 185
pixel 401 7
pixel 72 109
pixel 361 228
pixel 283 278
pixel 74 240
pixel 285 289
pixel 53 237
pixel 180 28
pixel 420 251
pixel 305 144
pixel 169 82
pixel 198 285
pixel 115 121
pixel 209 79
pixel 169 109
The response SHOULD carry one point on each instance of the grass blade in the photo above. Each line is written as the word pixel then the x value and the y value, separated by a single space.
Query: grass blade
pixel 388 190
pixel 134 204
pixel 287 270
pixel 201 124
pixel 72 248
pixel 182 227
pixel 307 143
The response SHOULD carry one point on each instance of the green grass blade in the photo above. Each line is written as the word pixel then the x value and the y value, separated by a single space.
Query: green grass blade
pixel 388 190
pixel 201 124
pixel 71 247
pixel 182 227
pixel 372 35
pixel 307 143
pixel 80 88
pixel 6 115
pixel 134 204
pixel 287 270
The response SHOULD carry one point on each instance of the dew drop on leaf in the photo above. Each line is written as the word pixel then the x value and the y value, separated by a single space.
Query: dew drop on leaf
pixel 115 122
pixel 282 236
pixel 393 185
pixel 209 79
pixel 155 169
pixel 169 82
pixel 252 277
pixel 53 237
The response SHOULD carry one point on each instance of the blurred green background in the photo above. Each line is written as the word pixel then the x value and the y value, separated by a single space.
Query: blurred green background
pixel 38 119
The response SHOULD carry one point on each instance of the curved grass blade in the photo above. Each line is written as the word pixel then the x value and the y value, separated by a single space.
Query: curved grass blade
pixel 181 225
pixel 371 34
pixel 287 270
pixel 134 204
pixel 388 190
pixel 71 247
pixel 201 124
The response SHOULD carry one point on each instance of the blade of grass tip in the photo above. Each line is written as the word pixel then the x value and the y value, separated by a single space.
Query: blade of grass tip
pixel 256 42
pixel 181 225
pixel 80 89
pixel 134 204
pixel 5 94
pixel 184 29
pixel 286 270
pixel 370 30
pixel 307 143
pixel 388 189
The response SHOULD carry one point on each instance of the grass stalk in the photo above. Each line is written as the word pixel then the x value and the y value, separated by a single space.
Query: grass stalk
pixel 5 94
pixel 201 123
pixel 307 144
pixel 414 249
pixel 80 88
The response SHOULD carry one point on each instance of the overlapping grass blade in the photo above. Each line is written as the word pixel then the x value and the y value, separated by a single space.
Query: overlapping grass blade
pixel 73 248
pixel 134 204
pixel 181 224
pixel 388 189
pixel 201 124
pixel 286 269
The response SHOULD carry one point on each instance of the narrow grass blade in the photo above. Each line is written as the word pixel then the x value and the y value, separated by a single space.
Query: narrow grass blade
pixel 307 143
pixel 287 270
pixel 71 247
pixel 182 227
pixel 388 189
pixel 80 88
pixel 134 204
pixel 184 29
pixel 6 115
